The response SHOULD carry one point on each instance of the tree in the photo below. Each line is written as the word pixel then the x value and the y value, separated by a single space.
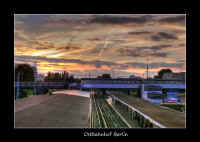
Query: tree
pixel 53 77
pixel 156 77
pixel 26 72
pixel 99 77
pixel 71 79
pixel 163 71
pixel 106 76
pixel 65 76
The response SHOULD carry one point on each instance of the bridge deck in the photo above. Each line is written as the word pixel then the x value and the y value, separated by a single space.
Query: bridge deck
pixel 131 86
pixel 167 117
pixel 53 111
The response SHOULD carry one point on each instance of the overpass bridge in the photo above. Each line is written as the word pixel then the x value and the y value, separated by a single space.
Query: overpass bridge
pixel 143 87
pixel 106 84
pixel 37 85
pixel 131 84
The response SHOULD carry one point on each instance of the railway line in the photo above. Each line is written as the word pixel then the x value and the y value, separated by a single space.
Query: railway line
pixel 103 115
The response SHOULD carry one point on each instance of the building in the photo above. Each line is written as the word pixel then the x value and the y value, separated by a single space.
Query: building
pixel 174 76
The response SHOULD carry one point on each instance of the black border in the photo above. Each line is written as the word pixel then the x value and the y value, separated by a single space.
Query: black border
pixel 74 133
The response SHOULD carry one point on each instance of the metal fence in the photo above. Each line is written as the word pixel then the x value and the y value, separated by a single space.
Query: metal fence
pixel 133 82
pixel 37 84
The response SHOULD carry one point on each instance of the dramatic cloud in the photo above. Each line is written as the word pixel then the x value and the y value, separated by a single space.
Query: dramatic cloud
pixel 38 58
pixel 159 54
pixel 117 44
pixel 177 19
pixel 155 65
pixel 162 64
pixel 120 19
pixel 139 33
pixel 144 51
pixel 163 36
pixel 71 48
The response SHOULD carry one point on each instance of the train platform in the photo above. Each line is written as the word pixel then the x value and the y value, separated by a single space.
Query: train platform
pixel 168 117
pixel 52 111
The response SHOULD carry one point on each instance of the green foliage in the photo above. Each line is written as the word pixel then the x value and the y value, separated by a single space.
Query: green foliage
pixel 104 76
pixel 178 107
pixel 135 93
pixel 132 93
pixel 60 77
pixel 26 93
pixel 56 77
pixel 29 92
pixel 50 92
pixel 163 71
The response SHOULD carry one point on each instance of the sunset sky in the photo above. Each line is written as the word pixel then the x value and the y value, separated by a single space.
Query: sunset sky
pixel 117 44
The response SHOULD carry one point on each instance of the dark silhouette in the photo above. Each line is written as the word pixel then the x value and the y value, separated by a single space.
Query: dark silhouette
pixel 106 76
pixel 57 77
pixel 162 72
pixel 26 72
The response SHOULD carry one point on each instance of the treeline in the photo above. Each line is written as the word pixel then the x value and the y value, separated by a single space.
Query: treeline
pixel 60 77
pixel 24 72
pixel 104 76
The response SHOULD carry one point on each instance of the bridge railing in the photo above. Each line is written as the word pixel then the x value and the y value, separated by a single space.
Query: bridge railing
pixel 32 84
pixel 132 82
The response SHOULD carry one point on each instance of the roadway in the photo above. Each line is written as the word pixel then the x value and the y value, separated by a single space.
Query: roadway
pixel 55 111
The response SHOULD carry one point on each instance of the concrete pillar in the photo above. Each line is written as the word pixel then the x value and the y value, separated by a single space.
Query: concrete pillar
pixel 34 91
pixel 164 95
pixel 18 87
pixel 142 90
pixel 17 92
pixel 103 92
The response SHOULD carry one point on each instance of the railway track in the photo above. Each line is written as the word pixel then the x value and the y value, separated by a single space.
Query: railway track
pixel 103 115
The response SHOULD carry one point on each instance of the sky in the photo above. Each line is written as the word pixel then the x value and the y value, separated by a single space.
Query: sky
pixel 94 44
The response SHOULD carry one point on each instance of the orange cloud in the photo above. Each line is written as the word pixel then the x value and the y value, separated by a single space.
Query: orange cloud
pixel 104 67
pixel 68 39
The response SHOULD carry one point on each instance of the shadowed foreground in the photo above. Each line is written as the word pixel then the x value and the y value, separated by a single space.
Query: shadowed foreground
pixel 65 111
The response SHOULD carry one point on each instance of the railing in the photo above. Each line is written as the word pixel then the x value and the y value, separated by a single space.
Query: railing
pixel 32 84
pixel 141 113
pixel 133 81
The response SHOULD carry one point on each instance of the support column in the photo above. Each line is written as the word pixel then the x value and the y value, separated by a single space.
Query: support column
pixel 17 85
pixel 17 92
pixel 34 91
pixel 164 95
pixel 142 91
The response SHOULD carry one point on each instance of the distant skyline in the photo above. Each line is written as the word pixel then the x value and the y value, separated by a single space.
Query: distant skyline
pixel 96 44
